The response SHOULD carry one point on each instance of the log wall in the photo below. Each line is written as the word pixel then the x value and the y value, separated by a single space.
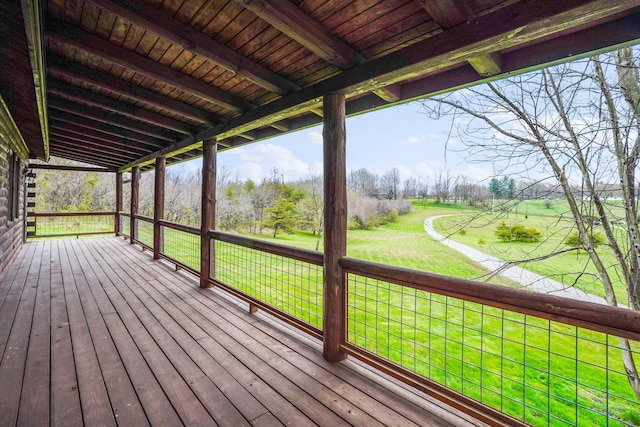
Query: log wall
pixel 11 231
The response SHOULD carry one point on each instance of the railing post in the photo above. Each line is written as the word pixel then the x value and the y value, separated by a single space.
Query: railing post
pixel 117 228
pixel 158 207
pixel 207 246
pixel 135 185
pixel 335 219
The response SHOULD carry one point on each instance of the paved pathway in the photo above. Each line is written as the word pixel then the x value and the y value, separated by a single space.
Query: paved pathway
pixel 525 277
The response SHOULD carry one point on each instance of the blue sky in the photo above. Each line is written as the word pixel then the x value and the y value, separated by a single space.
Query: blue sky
pixel 399 136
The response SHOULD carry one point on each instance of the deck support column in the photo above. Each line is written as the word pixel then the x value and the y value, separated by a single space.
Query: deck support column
pixel 158 207
pixel 116 227
pixel 207 245
pixel 135 186
pixel 335 220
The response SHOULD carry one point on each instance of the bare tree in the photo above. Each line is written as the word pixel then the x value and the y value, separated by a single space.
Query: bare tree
pixel 363 182
pixel 391 183
pixel 580 123
pixel 442 186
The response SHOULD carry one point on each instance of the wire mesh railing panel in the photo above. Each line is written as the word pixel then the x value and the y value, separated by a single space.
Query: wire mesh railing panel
pixel 125 224
pixel 182 247
pixel 536 370
pixel 144 232
pixel 75 224
pixel 291 286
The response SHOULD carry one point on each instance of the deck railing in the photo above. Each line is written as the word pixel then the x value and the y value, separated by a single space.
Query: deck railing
pixel 284 281
pixel 499 353
pixel 67 224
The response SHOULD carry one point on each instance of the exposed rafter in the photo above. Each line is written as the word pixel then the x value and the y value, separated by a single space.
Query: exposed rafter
pixel 81 130
pixel 106 103
pixel 299 26
pixel 72 70
pixel 122 147
pixel 146 16
pixel 450 13
pixel 62 104
pixel 59 30
pixel 103 127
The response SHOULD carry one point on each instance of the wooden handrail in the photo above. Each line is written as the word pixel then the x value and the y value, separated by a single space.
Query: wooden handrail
pixel 180 227
pixel 52 214
pixel 143 218
pixel 305 255
pixel 616 321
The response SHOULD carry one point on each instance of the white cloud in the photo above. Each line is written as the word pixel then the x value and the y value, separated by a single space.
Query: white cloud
pixel 424 169
pixel 412 140
pixel 252 171
pixel 258 160
pixel 404 172
pixel 314 137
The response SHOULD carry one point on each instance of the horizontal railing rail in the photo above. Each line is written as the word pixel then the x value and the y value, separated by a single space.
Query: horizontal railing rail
pixel 597 317
pixel 312 257
pixel 143 218
pixel 66 224
pixel 68 214
pixel 180 227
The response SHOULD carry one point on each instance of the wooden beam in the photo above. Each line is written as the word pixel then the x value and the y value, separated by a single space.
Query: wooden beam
pixel 46 166
pixel 63 32
pixel 143 128
pixel 158 208
pixel 82 155
pixel 450 13
pixel 135 188
pixel 79 129
pixel 72 70
pixel 299 26
pixel 156 21
pixel 487 65
pixel 106 128
pixel 113 144
pixel 83 96
pixel 389 93
pixel 508 27
pixel 33 30
pixel 208 222
pixel 335 232
pixel 61 142
pixel 119 193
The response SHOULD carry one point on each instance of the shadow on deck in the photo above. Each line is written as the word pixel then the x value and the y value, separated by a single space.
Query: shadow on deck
pixel 95 332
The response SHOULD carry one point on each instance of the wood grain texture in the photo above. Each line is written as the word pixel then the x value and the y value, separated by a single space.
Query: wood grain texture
pixel 151 348
pixel 335 220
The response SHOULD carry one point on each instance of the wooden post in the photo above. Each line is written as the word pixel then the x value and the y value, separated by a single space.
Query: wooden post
pixel 118 230
pixel 135 185
pixel 158 207
pixel 207 246
pixel 335 220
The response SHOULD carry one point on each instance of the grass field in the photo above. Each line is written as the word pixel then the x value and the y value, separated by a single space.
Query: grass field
pixel 571 268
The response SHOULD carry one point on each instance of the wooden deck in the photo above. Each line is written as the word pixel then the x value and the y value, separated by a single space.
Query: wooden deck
pixel 94 332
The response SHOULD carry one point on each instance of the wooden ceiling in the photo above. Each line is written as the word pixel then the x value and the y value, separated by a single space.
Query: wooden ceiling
pixel 128 80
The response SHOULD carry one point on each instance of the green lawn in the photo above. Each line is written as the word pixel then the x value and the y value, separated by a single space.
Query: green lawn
pixel 571 268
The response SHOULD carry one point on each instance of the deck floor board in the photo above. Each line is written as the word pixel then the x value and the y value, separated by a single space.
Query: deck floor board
pixel 94 332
